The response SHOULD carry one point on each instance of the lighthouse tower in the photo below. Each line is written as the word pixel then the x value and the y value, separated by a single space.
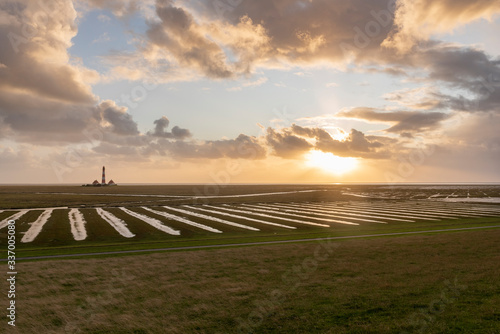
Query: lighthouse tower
pixel 103 176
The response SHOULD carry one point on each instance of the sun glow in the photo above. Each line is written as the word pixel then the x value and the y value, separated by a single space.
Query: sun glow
pixel 330 163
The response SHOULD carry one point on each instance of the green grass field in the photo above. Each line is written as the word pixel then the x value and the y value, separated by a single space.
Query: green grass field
pixel 443 282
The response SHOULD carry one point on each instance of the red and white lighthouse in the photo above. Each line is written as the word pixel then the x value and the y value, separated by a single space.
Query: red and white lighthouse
pixel 103 176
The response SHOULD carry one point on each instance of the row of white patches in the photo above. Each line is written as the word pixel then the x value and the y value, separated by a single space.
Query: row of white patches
pixel 273 217
pixel 388 215
pixel 75 217
pixel 335 213
pixel 215 219
pixel 407 210
pixel 151 221
pixel 262 208
pixel 310 215
pixel 425 211
pixel 383 214
pixel 218 212
pixel 358 211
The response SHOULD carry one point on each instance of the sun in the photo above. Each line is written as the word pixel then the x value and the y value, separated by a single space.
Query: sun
pixel 330 163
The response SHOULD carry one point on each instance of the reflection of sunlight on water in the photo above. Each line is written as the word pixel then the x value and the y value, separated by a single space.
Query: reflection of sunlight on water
pixel 330 163
pixel 472 199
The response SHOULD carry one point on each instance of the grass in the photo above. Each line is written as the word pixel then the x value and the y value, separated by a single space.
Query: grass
pixel 34 196
pixel 432 283
pixel 56 238
pixel 377 285
pixel 18 197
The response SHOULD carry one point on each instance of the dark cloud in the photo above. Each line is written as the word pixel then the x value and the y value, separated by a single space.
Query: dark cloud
pixel 404 121
pixel 285 144
pixel 180 35
pixel 242 147
pixel 120 121
pixel 296 140
pixel 177 132
pixel 180 133
pixel 30 118
pixel 161 125
pixel 460 67
pixel 356 145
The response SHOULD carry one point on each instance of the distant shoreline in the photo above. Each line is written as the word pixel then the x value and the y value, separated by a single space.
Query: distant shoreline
pixel 270 184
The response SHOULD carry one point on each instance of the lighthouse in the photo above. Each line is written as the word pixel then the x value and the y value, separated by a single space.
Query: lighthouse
pixel 103 176
pixel 103 181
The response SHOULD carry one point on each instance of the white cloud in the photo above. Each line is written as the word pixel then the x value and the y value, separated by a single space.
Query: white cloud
pixel 417 20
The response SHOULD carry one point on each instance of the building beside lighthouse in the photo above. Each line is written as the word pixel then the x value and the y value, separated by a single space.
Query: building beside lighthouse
pixel 103 181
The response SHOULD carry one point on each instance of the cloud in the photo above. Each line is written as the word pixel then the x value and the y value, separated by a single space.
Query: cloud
pixel 19 156
pixel 242 147
pixel 474 75
pixel 116 118
pixel 190 41
pixel 293 142
pixel 287 145
pixel 461 67
pixel 34 52
pixel 417 20
pixel 45 95
pixel 194 39
pixel 120 8
pixel 470 149
pixel 255 83
pixel 422 98
pixel 180 133
pixel 29 118
pixel 302 32
pixel 177 132
pixel 180 35
pixel 404 121
pixel 117 150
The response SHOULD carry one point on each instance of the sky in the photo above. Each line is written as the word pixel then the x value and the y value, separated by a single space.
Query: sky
pixel 249 91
